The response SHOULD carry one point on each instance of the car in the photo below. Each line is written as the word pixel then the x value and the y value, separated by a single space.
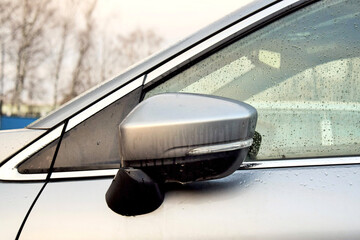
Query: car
pixel 248 129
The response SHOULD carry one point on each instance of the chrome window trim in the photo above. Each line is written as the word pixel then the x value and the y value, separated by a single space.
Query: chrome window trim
pixel 14 175
pixel 218 38
pixel 9 171
pixel 84 174
pixel 265 164
pixel 103 103
pixel 326 161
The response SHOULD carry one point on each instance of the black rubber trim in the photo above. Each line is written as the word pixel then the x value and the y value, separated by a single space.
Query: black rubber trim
pixel 46 182
pixel 142 93
pixel 28 213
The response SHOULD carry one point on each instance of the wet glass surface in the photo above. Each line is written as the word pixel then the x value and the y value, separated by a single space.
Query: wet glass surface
pixel 302 74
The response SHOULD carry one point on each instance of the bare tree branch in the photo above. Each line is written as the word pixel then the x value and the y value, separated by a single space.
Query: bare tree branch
pixel 84 45
pixel 59 61
pixel 29 32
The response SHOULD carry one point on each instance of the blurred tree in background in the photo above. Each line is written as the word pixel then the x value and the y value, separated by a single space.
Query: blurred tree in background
pixel 51 51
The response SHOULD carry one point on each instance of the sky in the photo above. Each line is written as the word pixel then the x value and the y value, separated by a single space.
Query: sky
pixel 173 20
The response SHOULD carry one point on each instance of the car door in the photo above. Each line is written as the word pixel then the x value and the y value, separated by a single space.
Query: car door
pixel 298 64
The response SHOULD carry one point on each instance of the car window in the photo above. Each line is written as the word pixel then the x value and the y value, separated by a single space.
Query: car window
pixel 40 162
pixel 302 74
pixel 93 144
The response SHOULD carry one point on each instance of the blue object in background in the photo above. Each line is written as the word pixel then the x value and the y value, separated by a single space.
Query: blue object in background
pixel 15 122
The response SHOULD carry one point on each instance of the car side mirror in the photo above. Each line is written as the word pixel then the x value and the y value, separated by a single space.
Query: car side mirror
pixel 178 137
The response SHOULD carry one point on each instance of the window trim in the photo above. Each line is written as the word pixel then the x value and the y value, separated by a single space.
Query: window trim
pixel 269 164
pixel 308 162
pixel 9 171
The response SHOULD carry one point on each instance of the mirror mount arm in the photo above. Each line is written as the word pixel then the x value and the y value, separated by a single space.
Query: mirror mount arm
pixel 132 192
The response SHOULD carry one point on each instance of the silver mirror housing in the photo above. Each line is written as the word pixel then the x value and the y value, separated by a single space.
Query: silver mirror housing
pixel 184 137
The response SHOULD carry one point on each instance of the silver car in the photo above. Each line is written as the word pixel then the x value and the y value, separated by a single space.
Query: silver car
pixel 257 116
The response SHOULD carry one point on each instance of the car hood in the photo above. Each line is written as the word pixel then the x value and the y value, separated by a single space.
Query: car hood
pixel 12 141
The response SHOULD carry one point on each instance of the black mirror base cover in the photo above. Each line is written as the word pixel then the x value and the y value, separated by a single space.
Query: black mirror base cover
pixel 132 192
pixel 193 168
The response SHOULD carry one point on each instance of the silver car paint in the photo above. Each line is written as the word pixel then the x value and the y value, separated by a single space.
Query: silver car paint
pixel 12 141
pixel 152 128
pixel 15 198
pixel 15 202
pixel 283 203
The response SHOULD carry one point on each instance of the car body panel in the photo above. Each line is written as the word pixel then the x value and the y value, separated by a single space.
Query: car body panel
pixel 12 141
pixel 15 201
pixel 279 203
